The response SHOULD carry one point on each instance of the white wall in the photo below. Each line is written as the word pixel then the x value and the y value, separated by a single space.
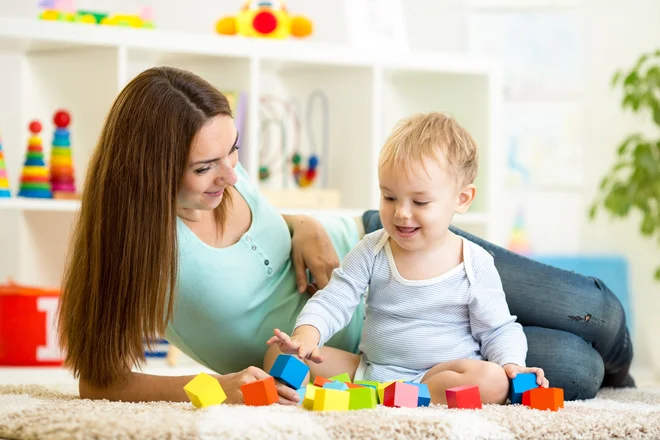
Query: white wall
pixel 616 34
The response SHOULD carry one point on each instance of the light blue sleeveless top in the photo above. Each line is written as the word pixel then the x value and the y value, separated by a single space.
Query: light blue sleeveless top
pixel 229 300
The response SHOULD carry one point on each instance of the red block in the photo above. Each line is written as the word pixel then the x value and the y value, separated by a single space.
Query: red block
pixel 260 393
pixel 465 397
pixel 544 398
pixel 28 326
pixel 400 395
pixel 319 381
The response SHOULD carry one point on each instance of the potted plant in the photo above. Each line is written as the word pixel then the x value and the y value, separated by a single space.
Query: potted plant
pixel 633 182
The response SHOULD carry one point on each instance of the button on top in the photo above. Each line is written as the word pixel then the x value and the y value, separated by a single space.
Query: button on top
pixel 270 270
pixel 248 238
pixel 266 262
pixel 254 248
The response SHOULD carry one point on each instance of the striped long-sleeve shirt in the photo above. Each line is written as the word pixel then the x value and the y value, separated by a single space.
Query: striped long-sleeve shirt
pixel 417 324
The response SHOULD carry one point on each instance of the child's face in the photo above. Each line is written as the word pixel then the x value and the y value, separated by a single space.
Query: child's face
pixel 417 207
pixel 210 168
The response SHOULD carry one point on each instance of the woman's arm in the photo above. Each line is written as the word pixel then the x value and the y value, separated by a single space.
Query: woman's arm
pixel 140 387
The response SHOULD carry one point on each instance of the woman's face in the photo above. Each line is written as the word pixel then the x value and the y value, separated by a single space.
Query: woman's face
pixel 210 168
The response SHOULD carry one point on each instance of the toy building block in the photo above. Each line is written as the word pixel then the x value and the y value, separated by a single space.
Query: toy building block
pixel 301 393
pixel 310 394
pixel 353 385
pixel 367 383
pixel 61 164
pixel 362 398
pixel 4 181
pixel 35 181
pixel 424 395
pixel 319 381
pixel 204 391
pixel 343 377
pixel 260 393
pixel 341 386
pixel 521 383
pixel 331 400
pixel 464 397
pixel 400 395
pixel 381 390
pixel 289 370
pixel 544 398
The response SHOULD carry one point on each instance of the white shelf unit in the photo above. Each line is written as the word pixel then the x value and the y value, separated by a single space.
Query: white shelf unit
pixel 45 66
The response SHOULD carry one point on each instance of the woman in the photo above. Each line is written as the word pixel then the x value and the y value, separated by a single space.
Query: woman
pixel 166 207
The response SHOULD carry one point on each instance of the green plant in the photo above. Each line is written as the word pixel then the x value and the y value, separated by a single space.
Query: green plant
pixel 633 182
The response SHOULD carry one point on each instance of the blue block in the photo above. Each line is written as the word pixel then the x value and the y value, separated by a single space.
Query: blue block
pixel 424 396
pixel 521 383
pixel 341 386
pixel 34 163
pixel 5 193
pixel 35 193
pixel 301 393
pixel 289 370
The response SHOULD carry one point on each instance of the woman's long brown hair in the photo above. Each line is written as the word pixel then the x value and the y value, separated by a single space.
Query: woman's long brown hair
pixel 122 263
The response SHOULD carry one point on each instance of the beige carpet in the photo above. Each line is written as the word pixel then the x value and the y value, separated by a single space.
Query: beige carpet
pixel 34 412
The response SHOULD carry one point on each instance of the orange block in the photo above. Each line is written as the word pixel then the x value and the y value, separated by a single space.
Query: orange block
pixel 319 381
pixel 353 385
pixel 544 398
pixel 260 393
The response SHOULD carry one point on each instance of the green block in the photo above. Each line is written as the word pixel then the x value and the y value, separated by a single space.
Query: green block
pixel 60 152
pixel 368 383
pixel 32 155
pixel 362 398
pixel 343 377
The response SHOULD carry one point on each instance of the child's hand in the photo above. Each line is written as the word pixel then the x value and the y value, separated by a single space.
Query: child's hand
pixel 304 343
pixel 512 371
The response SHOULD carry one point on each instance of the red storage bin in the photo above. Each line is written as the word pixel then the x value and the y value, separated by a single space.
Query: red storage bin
pixel 28 326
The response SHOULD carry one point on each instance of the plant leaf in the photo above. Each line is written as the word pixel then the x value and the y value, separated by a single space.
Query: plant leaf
pixel 648 225
pixel 657 274
pixel 593 211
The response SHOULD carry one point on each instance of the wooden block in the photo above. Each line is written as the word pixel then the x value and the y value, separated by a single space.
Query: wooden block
pixel 341 386
pixel 464 397
pixel 544 398
pixel 520 384
pixel 381 390
pixel 401 395
pixel 310 394
pixel 362 398
pixel 353 385
pixel 289 370
pixel 367 383
pixel 343 377
pixel 260 393
pixel 204 391
pixel 331 400
pixel 301 393
pixel 320 380
pixel 424 395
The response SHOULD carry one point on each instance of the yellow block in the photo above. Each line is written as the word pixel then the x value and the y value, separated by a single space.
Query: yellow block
pixel 331 400
pixel 4 183
pixel 204 391
pixel 381 390
pixel 310 392
pixel 35 171
pixel 61 161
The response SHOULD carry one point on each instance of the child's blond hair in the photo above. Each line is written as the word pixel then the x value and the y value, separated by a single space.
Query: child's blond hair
pixel 423 136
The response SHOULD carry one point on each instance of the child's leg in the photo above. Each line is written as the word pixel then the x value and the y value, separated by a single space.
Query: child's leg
pixel 491 379
pixel 335 362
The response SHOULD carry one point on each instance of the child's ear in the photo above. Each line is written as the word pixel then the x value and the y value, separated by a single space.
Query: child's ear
pixel 465 198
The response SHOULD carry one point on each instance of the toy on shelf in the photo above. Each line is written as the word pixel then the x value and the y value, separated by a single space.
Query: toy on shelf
pixel 35 181
pixel 64 10
pixel 265 19
pixel 62 179
pixel 518 242
pixel 4 180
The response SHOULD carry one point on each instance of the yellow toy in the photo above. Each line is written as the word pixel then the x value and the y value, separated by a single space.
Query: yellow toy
pixel 265 19
pixel 326 399
pixel 204 391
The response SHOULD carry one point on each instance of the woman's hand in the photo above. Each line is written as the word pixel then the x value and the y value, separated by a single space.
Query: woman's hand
pixel 512 370
pixel 232 382
pixel 311 248
pixel 303 343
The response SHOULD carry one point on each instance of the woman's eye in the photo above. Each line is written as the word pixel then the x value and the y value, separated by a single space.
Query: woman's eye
pixel 421 203
pixel 201 171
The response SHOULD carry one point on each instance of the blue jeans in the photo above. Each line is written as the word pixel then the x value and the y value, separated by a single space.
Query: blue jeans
pixel 575 326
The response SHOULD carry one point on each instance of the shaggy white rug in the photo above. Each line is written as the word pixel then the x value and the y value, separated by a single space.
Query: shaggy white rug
pixel 35 412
